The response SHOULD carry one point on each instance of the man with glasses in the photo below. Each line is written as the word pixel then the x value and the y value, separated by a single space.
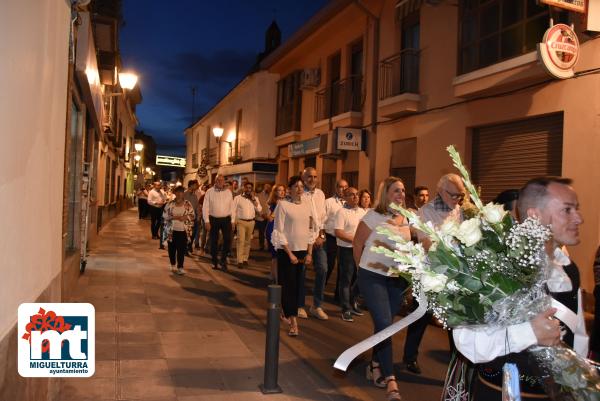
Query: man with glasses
pixel 446 205
pixel 346 223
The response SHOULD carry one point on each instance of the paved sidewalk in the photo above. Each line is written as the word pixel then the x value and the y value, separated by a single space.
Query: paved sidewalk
pixel 165 337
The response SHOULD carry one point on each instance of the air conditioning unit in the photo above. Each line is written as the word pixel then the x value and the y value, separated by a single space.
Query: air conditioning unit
pixel 310 78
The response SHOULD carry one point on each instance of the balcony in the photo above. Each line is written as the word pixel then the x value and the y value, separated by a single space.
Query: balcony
pixel 345 96
pixel 399 84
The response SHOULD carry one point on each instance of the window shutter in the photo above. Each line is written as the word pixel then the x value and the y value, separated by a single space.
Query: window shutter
pixel 505 156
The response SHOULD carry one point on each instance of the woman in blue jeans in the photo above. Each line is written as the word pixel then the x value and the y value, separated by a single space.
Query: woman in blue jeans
pixel 383 293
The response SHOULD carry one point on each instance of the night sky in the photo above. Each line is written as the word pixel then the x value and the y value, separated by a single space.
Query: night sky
pixel 175 45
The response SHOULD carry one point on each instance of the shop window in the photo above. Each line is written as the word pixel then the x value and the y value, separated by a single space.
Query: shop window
pixel 491 31
pixel 73 170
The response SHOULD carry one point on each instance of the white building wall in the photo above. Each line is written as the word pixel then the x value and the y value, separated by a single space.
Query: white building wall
pixel 34 43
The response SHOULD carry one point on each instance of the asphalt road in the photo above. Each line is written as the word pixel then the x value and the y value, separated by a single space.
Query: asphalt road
pixel 321 342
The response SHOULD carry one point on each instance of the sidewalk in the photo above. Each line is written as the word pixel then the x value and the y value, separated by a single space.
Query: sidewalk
pixel 165 337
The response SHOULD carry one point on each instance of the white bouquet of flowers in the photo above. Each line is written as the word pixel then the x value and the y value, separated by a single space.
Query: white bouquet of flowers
pixel 490 270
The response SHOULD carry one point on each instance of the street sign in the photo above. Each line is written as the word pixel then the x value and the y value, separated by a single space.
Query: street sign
pixel 170 161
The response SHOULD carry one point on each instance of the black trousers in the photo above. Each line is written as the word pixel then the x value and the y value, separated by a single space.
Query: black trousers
pixel 289 277
pixel 222 224
pixel 177 248
pixel 142 208
pixel 261 226
pixel 414 335
pixel 155 219
pixel 595 337
pixel 331 251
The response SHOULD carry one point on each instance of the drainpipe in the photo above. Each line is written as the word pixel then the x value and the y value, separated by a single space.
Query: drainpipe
pixel 372 141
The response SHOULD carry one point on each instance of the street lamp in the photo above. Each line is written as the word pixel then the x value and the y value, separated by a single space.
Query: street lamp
pixel 138 146
pixel 137 158
pixel 218 133
pixel 127 80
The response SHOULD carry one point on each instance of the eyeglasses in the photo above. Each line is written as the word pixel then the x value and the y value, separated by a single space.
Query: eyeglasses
pixel 455 196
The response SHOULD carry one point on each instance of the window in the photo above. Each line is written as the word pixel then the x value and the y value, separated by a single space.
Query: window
pixel 491 31
pixel 73 170
pixel 113 170
pixel 289 103
pixel 107 181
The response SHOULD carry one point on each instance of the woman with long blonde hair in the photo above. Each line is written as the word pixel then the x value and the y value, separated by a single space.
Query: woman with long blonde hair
pixel 383 293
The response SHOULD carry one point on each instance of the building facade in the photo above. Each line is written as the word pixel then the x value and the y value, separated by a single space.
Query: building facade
pixel 33 157
pixel 412 77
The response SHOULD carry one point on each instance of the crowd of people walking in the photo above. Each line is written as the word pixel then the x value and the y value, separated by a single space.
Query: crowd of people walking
pixel 301 228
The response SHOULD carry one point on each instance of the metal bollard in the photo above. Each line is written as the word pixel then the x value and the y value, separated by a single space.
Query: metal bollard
pixel 270 385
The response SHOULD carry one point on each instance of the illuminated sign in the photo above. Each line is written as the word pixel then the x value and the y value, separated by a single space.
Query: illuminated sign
pixel 170 161
pixel 559 51
pixel 572 5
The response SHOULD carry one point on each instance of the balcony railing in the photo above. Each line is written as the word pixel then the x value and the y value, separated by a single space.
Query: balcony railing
pixel 399 74
pixel 341 97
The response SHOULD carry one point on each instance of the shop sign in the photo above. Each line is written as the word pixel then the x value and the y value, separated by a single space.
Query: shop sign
pixel 559 51
pixel 349 139
pixel 572 5
pixel 303 148
pixel 170 161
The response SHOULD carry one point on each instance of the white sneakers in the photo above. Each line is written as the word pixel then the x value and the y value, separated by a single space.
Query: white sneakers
pixel 302 313
pixel 175 270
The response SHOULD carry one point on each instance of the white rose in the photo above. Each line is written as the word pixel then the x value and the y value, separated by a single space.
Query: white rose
pixel 449 227
pixel 433 282
pixel 493 213
pixel 469 232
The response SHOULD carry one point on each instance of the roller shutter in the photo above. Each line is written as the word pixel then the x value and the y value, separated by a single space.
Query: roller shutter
pixel 506 155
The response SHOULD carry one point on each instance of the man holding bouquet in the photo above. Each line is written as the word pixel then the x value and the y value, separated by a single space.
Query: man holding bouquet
pixel 554 203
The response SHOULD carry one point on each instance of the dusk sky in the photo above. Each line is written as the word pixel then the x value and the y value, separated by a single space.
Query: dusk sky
pixel 210 45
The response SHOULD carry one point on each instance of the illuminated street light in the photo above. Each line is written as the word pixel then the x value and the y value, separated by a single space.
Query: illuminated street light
pixel 127 80
pixel 138 146
pixel 218 133
pixel 137 158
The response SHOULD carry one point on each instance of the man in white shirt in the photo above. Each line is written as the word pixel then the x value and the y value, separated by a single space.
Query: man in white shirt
pixel 216 211
pixel 446 205
pixel 332 205
pixel 316 198
pixel 156 203
pixel 245 209
pixel 553 201
pixel 346 222
pixel 262 217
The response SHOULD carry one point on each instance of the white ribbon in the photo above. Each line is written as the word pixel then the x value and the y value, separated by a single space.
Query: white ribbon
pixel 576 324
pixel 348 356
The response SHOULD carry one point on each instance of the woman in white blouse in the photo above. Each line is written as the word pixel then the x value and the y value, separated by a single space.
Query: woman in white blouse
pixel 292 238
pixel 383 293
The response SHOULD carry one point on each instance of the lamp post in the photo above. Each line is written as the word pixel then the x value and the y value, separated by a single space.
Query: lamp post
pixel 218 133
